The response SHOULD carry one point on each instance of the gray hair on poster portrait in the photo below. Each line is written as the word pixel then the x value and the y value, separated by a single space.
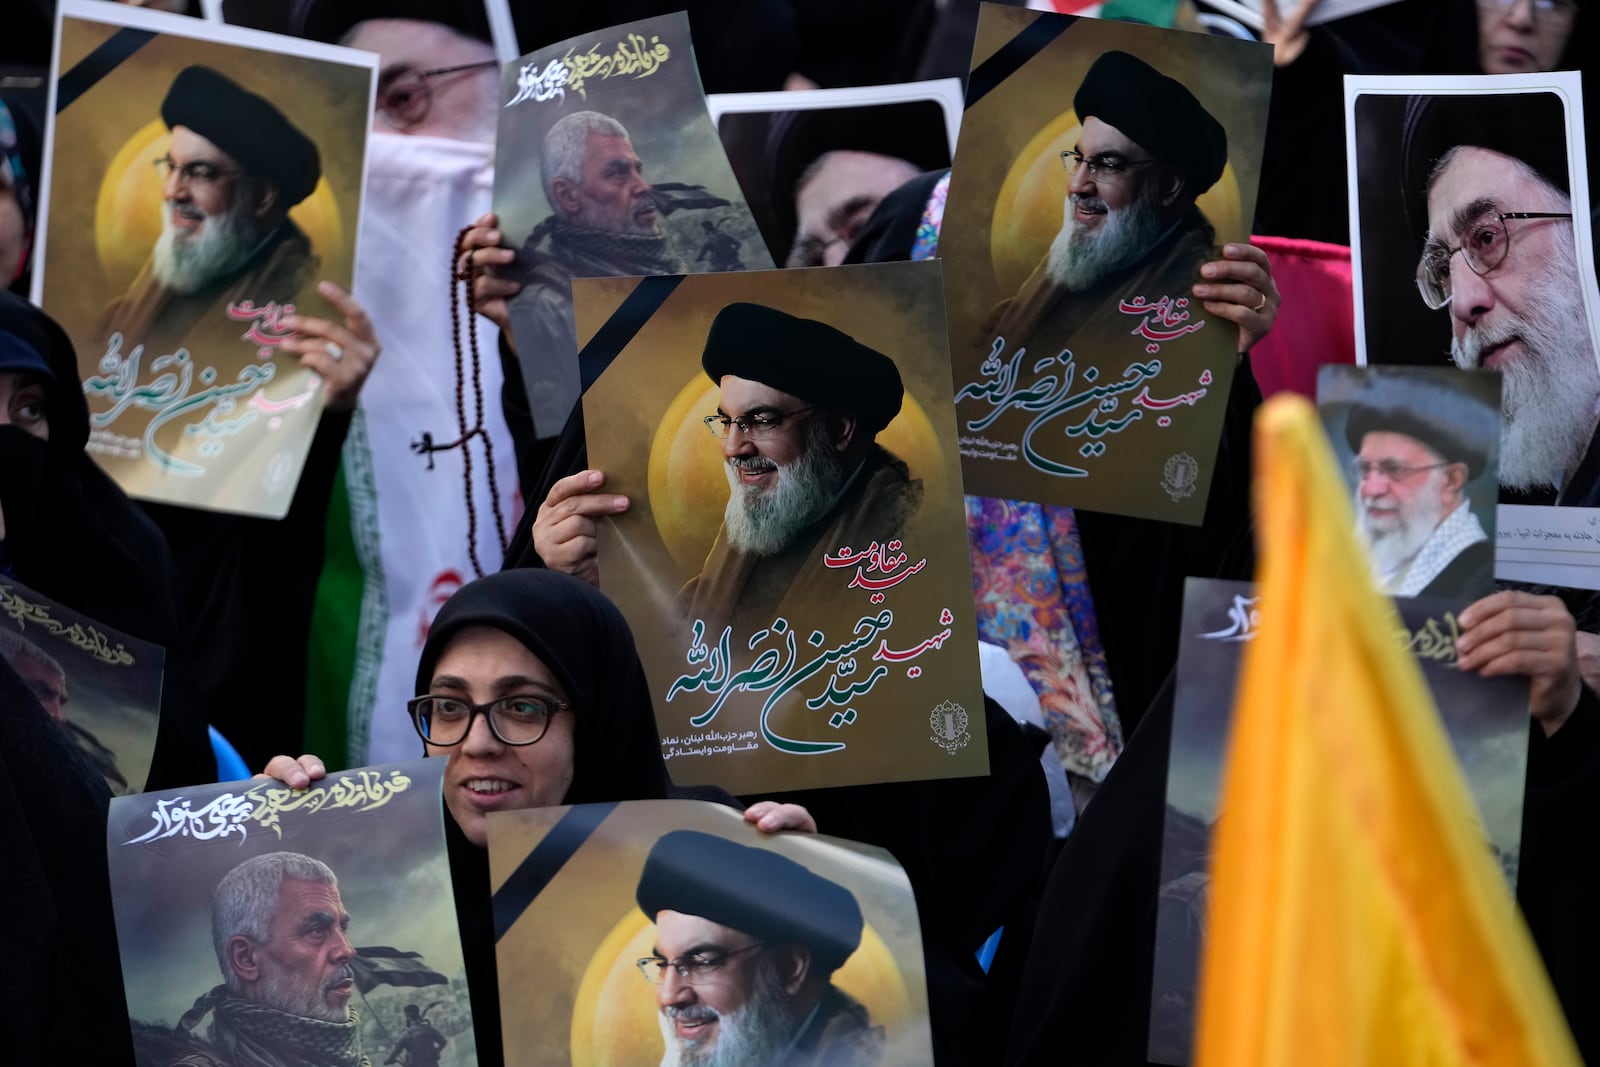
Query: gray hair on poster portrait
pixel 246 899
pixel 1422 448
pixel 562 152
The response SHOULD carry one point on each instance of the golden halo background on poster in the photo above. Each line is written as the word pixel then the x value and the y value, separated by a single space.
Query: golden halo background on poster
pixel 614 1019
pixel 686 468
pixel 127 217
pixel 1027 210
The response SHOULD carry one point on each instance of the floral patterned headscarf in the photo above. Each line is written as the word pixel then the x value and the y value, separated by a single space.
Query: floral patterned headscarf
pixel 15 176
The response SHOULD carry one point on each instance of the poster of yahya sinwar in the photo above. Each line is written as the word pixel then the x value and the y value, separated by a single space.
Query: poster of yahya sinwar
pixel 1485 718
pixel 102 687
pixel 607 165
pixel 263 924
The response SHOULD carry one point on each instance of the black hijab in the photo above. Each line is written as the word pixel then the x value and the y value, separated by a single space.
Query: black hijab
pixel 581 637
pixel 55 883
pixel 73 535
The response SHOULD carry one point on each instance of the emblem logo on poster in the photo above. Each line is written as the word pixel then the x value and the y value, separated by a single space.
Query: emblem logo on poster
pixel 1180 475
pixel 949 723
pixel 280 468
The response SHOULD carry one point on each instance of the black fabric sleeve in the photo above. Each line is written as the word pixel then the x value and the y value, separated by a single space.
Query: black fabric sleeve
pixel 55 883
pixel 974 850
pixel 1560 854
pixel 1086 983
pixel 531 453
pixel 248 586
pixel 1137 567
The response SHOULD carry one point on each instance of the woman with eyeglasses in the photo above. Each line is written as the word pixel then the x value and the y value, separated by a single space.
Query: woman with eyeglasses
pixel 531 687
pixel 1302 191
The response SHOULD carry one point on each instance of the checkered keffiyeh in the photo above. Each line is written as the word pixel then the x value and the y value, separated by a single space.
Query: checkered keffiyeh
pixel 1454 535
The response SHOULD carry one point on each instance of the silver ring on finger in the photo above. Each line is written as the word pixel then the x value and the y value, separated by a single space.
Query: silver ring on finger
pixel 335 350
pixel 1261 305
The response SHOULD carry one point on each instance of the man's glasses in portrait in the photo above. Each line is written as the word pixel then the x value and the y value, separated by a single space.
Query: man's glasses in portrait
pixel 1485 243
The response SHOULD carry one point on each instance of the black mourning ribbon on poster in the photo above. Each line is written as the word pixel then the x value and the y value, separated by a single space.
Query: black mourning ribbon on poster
pixel 97 64
pixel 545 862
pixel 1016 52
pixel 624 323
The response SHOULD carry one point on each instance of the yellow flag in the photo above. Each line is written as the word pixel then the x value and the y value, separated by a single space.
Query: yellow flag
pixel 1357 916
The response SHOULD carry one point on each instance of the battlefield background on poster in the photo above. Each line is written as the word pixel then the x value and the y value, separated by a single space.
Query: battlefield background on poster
pixel 381 831
pixel 1486 720
pixel 112 681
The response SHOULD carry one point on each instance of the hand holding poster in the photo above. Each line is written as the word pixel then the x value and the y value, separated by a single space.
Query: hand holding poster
pixel 674 932
pixel 607 165
pixel 1471 243
pixel 1100 166
pixel 794 558
pixel 101 686
pixel 307 925
pixel 1486 719
pixel 187 213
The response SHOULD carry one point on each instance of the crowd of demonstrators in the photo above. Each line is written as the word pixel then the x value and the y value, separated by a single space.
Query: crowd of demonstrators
pixel 577 725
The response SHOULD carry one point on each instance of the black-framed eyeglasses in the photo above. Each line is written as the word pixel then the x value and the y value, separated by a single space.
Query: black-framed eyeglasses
pixel 515 720
pixel 1484 245
pixel 1102 167
pixel 695 969
pixel 756 427
pixel 1392 470
pixel 405 102
pixel 195 172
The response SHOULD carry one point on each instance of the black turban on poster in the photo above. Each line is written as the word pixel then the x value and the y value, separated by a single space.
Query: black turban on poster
pixel 1436 409
pixel 247 127
pixel 74 536
pixel 582 638
pixel 1157 113
pixel 753 890
pixel 1526 126
pixel 805 358
pixel 912 130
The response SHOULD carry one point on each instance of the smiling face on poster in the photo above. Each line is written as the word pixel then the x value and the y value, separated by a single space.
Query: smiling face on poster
pixel 794 562
pixel 199 181
pixel 673 932
pixel 1100 165
pixel 263 924
pixel 607 165
pixel 1471 247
